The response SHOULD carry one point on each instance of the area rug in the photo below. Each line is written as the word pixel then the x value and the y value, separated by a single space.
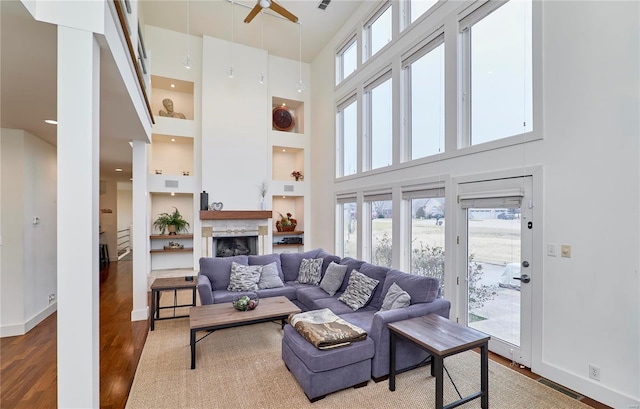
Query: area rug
pixel 242 367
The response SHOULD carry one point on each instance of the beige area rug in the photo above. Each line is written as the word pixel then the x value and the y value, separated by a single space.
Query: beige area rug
pixel 242 368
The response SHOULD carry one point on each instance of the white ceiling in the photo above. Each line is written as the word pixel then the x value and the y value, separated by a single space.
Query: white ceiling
pixel 28 67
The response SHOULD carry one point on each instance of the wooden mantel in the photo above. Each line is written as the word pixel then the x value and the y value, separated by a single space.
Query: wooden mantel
pixel 235 214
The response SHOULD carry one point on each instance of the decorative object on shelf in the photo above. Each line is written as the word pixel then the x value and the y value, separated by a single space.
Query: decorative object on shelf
pixel 185 173
pixel 297 174
pixel 282 118
pixel 172 222
pixel 158 171
pixel 174 246
pixel 204 200
pixel 217 206
pixel 170 113
pixel 106 211
pixel 263 188
pixel 245 303
pixel 286 223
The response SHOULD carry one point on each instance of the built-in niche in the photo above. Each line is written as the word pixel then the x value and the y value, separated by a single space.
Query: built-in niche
pixel 286 161
pixel 178 91
pixel 289 204
pixel 171 155
pixel 287 115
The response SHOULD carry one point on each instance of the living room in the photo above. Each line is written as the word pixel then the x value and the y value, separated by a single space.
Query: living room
pixel 584 139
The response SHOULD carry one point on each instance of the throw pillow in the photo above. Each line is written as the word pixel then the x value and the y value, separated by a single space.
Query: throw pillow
pixel 270 278
pixel 396 298
pixel 359 290
pixel 332 279
pixel 244 278
pixel 310 271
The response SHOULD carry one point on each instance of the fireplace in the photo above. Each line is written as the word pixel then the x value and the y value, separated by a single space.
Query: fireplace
pixel 229 246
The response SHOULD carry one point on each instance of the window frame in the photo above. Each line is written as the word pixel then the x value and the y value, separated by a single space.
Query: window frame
pixel 367 234
pixel 352 39
pixel 366 30
pixel 341 200
pixel 367 125
pixel 340 150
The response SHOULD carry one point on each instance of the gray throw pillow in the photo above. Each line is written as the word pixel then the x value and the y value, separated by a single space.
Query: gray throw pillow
pixel 270 277
pixel 244 278
pixel 333 278
pixel 310 271
pixel 396 298
pixel 359 290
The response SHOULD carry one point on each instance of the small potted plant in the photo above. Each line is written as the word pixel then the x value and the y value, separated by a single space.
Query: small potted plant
pixel 297 174
pixel 171 221
pixel 286 223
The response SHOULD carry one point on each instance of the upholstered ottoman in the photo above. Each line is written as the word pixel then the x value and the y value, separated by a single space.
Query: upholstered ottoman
pixel 320 372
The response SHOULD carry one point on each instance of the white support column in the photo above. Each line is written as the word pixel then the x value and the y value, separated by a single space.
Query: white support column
pixel 140 233
pixel 78 207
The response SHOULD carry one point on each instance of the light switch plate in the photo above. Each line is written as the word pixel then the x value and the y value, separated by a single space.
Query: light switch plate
pixel 552 250
pixel 565 250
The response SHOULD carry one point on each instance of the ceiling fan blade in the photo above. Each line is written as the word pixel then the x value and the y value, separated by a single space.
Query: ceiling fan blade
pixel 282 11
pixel 254 12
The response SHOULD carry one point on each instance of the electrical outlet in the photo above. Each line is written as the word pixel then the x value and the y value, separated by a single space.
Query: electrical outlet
pixel 594 372
pixel 52 298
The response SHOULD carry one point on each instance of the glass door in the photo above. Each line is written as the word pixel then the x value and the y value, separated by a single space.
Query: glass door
pixel 497 237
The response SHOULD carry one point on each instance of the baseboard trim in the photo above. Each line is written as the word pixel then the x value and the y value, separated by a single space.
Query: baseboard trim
pixel 140 315
pixel 21 329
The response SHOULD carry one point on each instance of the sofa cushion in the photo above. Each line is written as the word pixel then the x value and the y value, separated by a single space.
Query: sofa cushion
pixel 396 297
pixel 327 260
pixel 308 294
pixel 359 290
pixel 420 288
pixel 270 278
pixel 310 271
pixel 291 263
pixel 244 278
pixel 218 269
pixel 333 278
pixel 377 273
pixel 286 291
pixel 267 259
pixel 352 264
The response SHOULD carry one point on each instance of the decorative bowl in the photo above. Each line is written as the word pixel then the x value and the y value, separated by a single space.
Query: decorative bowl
pixel 245 302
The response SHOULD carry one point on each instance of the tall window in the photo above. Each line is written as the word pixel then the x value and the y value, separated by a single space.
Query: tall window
pixel 424 75
pixel 347 60
pixel 348 239
pixel 498 71
pixel 427 232
pixel 347 138
pixel 380 114
pixel 381 231
pixel 419 7
pixel 378 30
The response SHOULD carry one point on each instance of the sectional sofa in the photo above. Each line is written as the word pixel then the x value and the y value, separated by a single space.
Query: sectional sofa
pixel 214 282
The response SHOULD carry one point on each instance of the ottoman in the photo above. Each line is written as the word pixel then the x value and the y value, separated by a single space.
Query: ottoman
pixel 320 372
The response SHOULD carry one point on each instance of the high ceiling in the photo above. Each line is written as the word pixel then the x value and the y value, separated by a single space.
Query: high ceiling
pixel 28 67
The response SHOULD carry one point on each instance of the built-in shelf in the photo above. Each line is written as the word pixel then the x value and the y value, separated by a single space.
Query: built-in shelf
pixel 183 250
pixel 170 236
pixel 235 214
pixel 287 233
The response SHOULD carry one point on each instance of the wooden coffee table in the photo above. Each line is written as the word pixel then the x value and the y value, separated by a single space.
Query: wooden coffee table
pixel 219 316
pixel 442 338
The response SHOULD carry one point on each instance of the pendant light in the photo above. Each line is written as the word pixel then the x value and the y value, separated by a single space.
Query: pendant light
pixel 300 86
pixel 187 62
pixel 230 73
pixel 261 77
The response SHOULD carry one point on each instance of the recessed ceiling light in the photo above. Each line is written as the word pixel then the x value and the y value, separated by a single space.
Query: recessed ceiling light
pixel 284 105
pixel 118 170
pixel 284 150
pixel 51 121
pixel 131 179
pixel 173 193
pixel 173 85
pixel 131 143
pixel 173 139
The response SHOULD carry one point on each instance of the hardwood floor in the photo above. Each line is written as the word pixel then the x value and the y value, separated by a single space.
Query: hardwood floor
pixel 28 363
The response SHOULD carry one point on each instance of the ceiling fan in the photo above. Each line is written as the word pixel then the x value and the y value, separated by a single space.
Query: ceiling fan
pixel 270 4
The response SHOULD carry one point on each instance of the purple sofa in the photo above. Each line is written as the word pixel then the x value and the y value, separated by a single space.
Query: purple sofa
pixel 213 280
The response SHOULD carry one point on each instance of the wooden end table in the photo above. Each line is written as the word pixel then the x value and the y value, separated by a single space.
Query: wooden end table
pixel 170 284
pixel 441 338
pixel 219 316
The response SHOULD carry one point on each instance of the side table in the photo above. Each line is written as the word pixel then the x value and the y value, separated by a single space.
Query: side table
pixel 442 338
pixel 170 284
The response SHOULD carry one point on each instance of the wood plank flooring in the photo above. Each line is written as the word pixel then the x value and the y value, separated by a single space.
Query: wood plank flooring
pixel 28 363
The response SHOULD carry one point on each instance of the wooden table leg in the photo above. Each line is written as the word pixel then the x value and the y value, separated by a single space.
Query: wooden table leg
pixel 437 367
pixel 193 349
pixel 153 308
pixel 392 361
pixel 484 375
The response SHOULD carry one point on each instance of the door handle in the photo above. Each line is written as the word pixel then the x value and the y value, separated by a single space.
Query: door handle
pixel 524 278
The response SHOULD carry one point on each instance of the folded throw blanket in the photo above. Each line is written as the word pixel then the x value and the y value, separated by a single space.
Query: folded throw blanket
pixel 325 330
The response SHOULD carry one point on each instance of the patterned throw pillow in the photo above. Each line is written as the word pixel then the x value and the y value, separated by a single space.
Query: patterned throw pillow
pixel 270 277
pixel 310 271
pixel 396 298
pixel 359 290
pixel 333 278
pixel 244 278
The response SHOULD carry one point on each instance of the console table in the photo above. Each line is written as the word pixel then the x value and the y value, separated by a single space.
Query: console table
pixel 441 338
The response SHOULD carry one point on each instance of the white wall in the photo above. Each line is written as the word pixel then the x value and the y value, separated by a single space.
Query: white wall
pixel 28 273
pixel 109 220
pixel 125 205
pixel 587 306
